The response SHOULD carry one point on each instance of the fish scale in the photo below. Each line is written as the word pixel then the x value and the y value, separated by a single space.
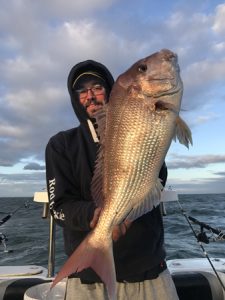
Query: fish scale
pixel 131 153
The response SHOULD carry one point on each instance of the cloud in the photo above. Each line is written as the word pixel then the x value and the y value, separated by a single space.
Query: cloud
pixel 34 166
pixel 189 162
pixel 22 185
pixel 220 174
pixel 38 52
pixel 202 119
pixel 200 76
pixel 219 26
pixel 197 185
pixel 68 9
pixel 22 177
pixel 36 104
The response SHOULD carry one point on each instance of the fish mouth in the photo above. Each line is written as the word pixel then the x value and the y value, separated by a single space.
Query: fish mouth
pixel 166 87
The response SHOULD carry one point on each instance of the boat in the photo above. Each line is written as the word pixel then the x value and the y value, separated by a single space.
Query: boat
pixel 194 278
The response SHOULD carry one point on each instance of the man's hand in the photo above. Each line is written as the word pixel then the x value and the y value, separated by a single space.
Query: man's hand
pixel 118 230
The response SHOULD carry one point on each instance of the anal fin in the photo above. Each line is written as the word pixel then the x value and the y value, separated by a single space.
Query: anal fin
pixel 148 203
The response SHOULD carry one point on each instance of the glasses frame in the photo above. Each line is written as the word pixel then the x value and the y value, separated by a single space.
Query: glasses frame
pixel 96 89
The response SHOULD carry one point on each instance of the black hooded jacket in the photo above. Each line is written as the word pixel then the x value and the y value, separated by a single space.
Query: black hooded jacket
pixel 70 159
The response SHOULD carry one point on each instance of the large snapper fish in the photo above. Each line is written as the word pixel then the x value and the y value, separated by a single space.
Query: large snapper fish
pixel 136 128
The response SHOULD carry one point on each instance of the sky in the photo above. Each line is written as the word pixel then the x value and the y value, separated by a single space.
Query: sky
pixel 41 41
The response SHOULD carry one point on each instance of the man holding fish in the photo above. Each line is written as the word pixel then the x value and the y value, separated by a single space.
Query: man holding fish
pixel 105 179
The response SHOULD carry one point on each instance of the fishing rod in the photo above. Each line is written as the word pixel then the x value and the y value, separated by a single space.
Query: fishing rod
pixel 188 218
pixel 9 215
pixel 201 236
pixel 3 237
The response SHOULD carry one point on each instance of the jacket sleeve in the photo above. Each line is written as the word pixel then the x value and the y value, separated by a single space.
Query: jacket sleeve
pixel 65 202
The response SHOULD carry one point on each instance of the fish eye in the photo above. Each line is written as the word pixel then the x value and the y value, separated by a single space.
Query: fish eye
pixel 142 68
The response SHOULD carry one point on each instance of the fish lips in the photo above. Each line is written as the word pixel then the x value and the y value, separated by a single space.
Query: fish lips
pixel 159 87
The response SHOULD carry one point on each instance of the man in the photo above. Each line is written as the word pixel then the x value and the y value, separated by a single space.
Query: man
pixel 70 158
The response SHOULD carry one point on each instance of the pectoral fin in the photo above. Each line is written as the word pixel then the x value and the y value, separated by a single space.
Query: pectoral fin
pixel 183 133
pixel 97 180
pixel 162 105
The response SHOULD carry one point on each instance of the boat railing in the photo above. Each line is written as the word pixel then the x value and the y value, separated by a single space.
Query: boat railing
pixel 42 197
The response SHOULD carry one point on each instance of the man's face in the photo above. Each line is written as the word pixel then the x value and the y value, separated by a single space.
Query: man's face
pixel 92 96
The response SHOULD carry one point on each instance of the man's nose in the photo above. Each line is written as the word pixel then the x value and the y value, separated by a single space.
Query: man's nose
pixel 90 94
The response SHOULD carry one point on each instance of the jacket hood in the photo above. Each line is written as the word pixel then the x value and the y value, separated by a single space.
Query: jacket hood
pixel 75 72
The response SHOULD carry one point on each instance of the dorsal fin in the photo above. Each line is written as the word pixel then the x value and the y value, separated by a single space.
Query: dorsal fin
pixel 97 180
pixel 100 117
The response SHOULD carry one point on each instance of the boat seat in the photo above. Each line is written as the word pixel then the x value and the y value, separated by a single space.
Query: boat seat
pixel 199 285
pixel 14 289
pixel 190 285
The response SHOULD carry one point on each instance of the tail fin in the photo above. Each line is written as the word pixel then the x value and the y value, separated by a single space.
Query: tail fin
pixel 99 259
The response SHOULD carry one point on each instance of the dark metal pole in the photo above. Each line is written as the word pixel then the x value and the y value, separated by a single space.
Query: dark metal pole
pixel 51 248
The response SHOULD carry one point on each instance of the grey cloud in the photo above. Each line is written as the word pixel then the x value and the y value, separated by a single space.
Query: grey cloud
pixel 22 177
pixel 72 9
pixel 220 174
pixel 189 162
pixel 34 166
pixel 28 121
pixel 197 185
pixel 22 185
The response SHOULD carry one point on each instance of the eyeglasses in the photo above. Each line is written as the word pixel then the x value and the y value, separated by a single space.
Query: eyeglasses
pixel 97 89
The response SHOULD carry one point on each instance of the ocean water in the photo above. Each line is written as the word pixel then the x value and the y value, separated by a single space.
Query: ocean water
pixel 27 232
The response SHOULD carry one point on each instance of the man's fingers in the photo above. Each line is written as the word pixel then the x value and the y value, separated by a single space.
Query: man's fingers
pixel 127 223
pixel 120 230
pixel 123 228
pixel 116 233
pixel 95 218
